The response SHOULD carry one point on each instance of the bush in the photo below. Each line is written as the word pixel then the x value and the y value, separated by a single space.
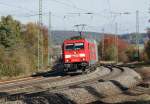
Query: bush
pixel 110 53
pixel 9 70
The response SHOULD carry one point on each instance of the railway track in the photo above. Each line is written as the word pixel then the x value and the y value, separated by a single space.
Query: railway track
pixel 102 80
pixel 29 81
pixel 47 82
pixel 17 85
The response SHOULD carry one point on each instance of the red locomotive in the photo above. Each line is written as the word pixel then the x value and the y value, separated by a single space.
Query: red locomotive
pixel 79 53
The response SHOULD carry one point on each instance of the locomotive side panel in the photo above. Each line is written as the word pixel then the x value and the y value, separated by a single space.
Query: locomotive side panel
pixel 93 52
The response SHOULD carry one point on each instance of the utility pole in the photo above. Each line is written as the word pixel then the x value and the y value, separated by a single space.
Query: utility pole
pixel 103 44
pixel 116 32
pixel 49 40
pixel 137 34
pixel 116 41
pixel 40 33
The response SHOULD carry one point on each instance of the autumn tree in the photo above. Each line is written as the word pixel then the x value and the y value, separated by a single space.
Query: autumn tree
pixel 18 47
pixel 110 48
pixel 110 53
pixel 30 37
pixel 148 32
pixel 11 51
pixel 10 30
pixel 130 52
pixel 147 50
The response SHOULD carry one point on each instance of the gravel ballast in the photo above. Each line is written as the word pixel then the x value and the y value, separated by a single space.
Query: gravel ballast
pixel 95 91
pixel 115 82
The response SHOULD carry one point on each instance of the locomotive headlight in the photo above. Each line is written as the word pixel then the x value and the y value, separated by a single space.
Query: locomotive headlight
pixel 82 55
pixel 67 56
pixel 83 59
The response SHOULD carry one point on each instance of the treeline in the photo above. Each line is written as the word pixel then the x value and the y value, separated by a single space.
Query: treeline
pixel 18 47
pixel 122 51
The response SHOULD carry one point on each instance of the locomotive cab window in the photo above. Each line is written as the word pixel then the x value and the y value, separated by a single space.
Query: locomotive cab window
pixel 79 46
pixel 69 46
pixel 74 46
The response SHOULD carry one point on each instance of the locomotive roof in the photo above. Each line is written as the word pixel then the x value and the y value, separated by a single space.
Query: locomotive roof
pixel 80 40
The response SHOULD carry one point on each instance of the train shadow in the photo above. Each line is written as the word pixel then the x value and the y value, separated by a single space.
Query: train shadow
pixel 47 98
pixel 94 92
pixel 57 70
pixel 3 94
pixel 119 85
pixel 39 98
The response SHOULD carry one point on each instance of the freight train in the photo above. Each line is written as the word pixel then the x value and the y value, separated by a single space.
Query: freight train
pixel 78 54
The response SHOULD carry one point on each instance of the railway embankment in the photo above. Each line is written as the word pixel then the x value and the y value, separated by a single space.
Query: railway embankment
pixel 105 82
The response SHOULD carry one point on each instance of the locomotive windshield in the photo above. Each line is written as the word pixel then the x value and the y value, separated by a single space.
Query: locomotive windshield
pixel 69 46
pixel 74 46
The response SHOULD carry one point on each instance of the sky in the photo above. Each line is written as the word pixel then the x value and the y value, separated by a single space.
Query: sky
pixel 97 15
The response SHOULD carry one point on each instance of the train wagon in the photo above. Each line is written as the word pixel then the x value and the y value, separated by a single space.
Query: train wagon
pixel 78 54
